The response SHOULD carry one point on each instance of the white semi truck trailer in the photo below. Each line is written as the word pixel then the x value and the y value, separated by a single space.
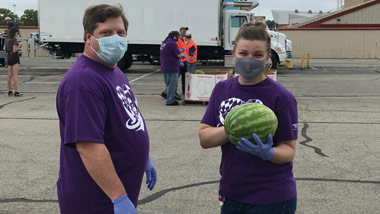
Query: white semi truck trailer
pixel 213 28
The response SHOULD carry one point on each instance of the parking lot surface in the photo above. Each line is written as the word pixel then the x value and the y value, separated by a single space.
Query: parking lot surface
pixel 338 150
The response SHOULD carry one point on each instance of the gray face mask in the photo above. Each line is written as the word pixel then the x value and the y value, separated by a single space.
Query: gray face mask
pixel 249 67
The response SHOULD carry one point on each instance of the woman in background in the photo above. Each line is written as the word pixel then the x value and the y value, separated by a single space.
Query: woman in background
pixel 11 47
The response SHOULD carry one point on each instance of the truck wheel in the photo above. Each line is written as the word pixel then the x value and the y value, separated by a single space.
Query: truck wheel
pixel 125 62
pixel 273 62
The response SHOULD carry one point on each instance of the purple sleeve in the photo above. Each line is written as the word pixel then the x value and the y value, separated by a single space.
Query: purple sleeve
pixel 209 116
pixel 287 117
pixel 174 48
pixel 84 117
pixel 191 51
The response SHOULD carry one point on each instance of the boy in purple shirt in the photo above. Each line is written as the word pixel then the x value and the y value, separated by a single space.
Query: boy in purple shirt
pixel 104 139
pixel 256 177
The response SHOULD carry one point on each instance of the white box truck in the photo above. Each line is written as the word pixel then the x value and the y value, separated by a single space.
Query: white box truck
pixel 212 26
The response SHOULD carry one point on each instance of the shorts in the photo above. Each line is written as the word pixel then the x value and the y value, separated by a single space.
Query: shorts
pixel 13 59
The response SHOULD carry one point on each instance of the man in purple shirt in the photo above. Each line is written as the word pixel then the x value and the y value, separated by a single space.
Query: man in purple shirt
pixel 170 60
pixel 104 139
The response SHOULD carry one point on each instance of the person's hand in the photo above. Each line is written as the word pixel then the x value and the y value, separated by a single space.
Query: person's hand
pixel 258 148
pixel 123 205
pixel 151 174
pixel 181 64
pixel 181 50
pixel 184 56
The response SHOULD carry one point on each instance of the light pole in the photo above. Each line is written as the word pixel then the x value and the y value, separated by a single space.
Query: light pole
pixel 14 8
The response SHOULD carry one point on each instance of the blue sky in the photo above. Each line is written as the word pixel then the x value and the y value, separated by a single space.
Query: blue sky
pixel 263 10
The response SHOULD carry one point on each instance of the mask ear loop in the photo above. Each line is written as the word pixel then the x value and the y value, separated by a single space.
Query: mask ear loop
pixel 92 47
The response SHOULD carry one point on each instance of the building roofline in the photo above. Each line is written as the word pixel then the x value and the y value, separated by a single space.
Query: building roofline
pixel 317 21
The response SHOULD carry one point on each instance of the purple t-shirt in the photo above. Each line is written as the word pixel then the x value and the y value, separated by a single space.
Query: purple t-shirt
pixel 168 56
pixel 245 177
pixel 96 104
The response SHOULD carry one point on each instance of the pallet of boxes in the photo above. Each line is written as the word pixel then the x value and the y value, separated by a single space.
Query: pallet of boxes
pixel 199 84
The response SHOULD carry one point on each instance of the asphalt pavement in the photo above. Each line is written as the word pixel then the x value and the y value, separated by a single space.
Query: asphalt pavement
pixel 336 166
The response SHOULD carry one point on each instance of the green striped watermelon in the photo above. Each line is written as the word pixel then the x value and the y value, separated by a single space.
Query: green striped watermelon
pixel 249 118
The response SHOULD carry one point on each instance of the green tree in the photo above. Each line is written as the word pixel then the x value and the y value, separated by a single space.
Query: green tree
pixel 4 12
pixel 30 18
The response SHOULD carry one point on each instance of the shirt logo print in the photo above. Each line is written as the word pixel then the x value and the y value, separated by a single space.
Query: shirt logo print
pixel 130 105
pixel 227 105
pixel 295 126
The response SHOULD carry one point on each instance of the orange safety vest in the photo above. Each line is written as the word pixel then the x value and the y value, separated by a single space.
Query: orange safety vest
pixel 193 58
pixel 181 44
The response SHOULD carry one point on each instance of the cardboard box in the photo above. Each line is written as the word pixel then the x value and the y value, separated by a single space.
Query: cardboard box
pixel 200 86
pixel 271 73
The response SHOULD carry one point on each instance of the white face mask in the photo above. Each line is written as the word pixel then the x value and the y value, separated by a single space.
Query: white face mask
pixel 111 48
pixel 249 67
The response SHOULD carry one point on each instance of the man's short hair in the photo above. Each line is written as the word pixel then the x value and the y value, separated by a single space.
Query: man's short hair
pixel 99 14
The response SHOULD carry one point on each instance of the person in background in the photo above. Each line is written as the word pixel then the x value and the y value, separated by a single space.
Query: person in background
pixel 170 59
pixel 3 36
pixel 12 24
pixel 11 47
pixel 182 48
pixel 183 64
pixel 104 138
pixel 256 177
pixel 192 51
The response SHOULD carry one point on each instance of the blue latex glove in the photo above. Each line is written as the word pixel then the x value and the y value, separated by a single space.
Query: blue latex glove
pixel 181 50
pixel 151 174
pixel 244 102
pixel 184 56
pixel 181 64
pixel 251 101
pixel 123 205
pixel 258 148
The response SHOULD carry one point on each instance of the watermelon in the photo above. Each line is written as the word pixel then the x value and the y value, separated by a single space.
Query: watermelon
pixel 199 72
pixel 249 118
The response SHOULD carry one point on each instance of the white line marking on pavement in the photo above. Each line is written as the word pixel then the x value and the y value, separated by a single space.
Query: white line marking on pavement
pixel 144 76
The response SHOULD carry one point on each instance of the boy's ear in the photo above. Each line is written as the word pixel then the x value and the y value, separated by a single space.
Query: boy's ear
pixel 233 53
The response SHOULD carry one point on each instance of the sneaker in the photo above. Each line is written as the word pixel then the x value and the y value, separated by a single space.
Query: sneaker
pixel 10 93
pixel 177 96
pixel 18 94
pixel 163 95
pixel 6 66
pixel 175 103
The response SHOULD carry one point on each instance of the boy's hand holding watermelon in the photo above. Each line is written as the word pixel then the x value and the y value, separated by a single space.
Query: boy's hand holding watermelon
pixel 258 148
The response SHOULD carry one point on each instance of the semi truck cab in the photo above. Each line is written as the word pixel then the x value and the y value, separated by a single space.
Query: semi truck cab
pixel 234 19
